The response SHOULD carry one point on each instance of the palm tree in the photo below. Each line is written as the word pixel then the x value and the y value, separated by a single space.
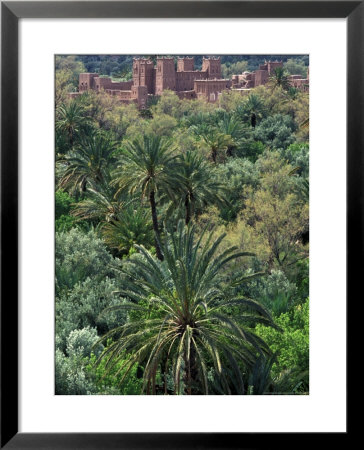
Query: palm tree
pixel 196 119
pixel 186 327
pixel 88 162
pixel 290 381
pixel 304 190
pixel 197 186
pixel 71 120
pixel 279 78
pixel 213 138
pixel 102 202
pixel 146 168
pixel 260 379
pixel 231 126
pixel 252 109
pixel 131 226
pixel 293 93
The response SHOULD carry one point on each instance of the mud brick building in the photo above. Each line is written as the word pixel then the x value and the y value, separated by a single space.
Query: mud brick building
pixel 300 83
pixel 250 80
pixel 150 79
pixel 182 78
pixel 95 82
pixel 211 89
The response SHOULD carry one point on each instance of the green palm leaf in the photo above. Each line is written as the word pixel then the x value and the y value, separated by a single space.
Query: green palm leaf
pixel 184 321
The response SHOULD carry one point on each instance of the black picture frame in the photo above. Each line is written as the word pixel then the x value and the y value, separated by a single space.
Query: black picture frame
pixel 11 12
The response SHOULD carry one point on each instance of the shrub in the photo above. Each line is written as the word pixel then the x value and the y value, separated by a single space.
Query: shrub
pixel 275 291
pixel 81 342
pixel 291 346
pixel 297 155
pixel 276 131
pixel 65 223
pixel 109 381
pixel 78 256
pixel 63 203
pixel 83 306
pixel 70 376
pixel 236 174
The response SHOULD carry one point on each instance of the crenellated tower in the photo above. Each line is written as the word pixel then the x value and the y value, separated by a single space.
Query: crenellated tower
pixel 212 66
pixel 143 74
pixel 185 64
pixel 165 77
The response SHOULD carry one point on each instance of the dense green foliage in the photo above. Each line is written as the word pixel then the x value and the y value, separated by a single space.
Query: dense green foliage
pixel 292 346
pixel 181 237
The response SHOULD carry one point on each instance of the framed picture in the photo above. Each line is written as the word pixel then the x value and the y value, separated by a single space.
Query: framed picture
pixel 157 36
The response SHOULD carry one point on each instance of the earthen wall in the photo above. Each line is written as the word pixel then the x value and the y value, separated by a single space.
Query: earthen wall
pixel 86 81
pixel 185 80
pixel 261 77
pixel 165 75
pixel 185 64
pixel 212 66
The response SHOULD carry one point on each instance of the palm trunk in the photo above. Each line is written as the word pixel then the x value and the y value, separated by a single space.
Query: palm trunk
pixel 70 137
pixel 214 154
pixel 188 210
pixel 253 120
pixel 191 374
pixel 229 150
pixel 155 226
pixel 164 369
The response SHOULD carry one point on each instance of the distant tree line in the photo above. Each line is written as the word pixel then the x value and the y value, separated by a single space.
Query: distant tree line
pixel 119 66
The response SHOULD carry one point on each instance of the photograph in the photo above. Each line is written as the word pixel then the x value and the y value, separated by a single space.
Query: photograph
pixel 181 224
